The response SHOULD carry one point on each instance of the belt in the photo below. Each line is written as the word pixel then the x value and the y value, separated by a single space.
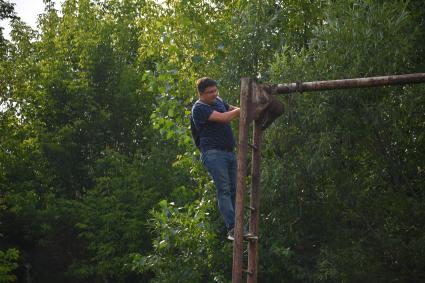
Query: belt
pixel 226 149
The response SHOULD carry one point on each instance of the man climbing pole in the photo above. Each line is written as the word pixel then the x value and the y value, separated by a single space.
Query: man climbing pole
pixel 210 122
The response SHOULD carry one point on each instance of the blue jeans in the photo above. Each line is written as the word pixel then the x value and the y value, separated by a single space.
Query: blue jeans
pixel 222 167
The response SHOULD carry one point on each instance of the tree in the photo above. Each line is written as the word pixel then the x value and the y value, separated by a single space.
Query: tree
pixel 100 181
pixel 340 161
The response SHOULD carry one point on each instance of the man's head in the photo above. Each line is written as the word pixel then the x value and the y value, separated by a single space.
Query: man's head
pixel 207 89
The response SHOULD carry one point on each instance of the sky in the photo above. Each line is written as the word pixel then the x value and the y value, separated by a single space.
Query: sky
pixel 28 11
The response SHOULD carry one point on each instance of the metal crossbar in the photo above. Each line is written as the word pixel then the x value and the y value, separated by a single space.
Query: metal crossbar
pixel 350 83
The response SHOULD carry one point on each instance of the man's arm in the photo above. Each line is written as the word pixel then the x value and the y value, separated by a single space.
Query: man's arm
pixel 225 117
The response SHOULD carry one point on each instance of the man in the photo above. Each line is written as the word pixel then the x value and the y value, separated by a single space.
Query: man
pixel 212 116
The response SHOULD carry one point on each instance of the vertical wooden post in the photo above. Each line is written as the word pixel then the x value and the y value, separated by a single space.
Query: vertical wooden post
pixel 244 121
pixel 254 204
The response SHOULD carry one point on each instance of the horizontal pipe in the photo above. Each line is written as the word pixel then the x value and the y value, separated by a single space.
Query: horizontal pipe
pixel 350 83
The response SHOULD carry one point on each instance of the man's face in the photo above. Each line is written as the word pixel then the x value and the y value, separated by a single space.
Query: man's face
pixel 210 94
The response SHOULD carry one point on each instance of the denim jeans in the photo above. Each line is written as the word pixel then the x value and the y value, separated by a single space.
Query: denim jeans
pixel 222 167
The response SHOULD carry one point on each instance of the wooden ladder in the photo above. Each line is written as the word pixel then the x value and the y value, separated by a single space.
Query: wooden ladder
pixel 254 205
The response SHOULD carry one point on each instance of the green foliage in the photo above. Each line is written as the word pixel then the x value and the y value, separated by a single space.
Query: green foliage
pixel 114 213
pixel 344 161
pixel 7 9
pixel 8 263
pixel 186 245
pixel 100 181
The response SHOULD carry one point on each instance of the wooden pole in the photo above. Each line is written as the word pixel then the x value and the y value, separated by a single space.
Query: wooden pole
pixel 244 121
pixel 350 83
pixel 254 204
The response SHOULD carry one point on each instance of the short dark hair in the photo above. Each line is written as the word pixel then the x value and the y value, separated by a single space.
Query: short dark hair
pixel 203 83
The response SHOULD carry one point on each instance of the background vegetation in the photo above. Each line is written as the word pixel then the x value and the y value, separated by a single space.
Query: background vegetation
pixel 99 179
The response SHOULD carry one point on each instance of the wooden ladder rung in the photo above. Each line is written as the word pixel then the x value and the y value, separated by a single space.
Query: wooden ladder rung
pixel 252 146
pixel 251 238
pixel 250 207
